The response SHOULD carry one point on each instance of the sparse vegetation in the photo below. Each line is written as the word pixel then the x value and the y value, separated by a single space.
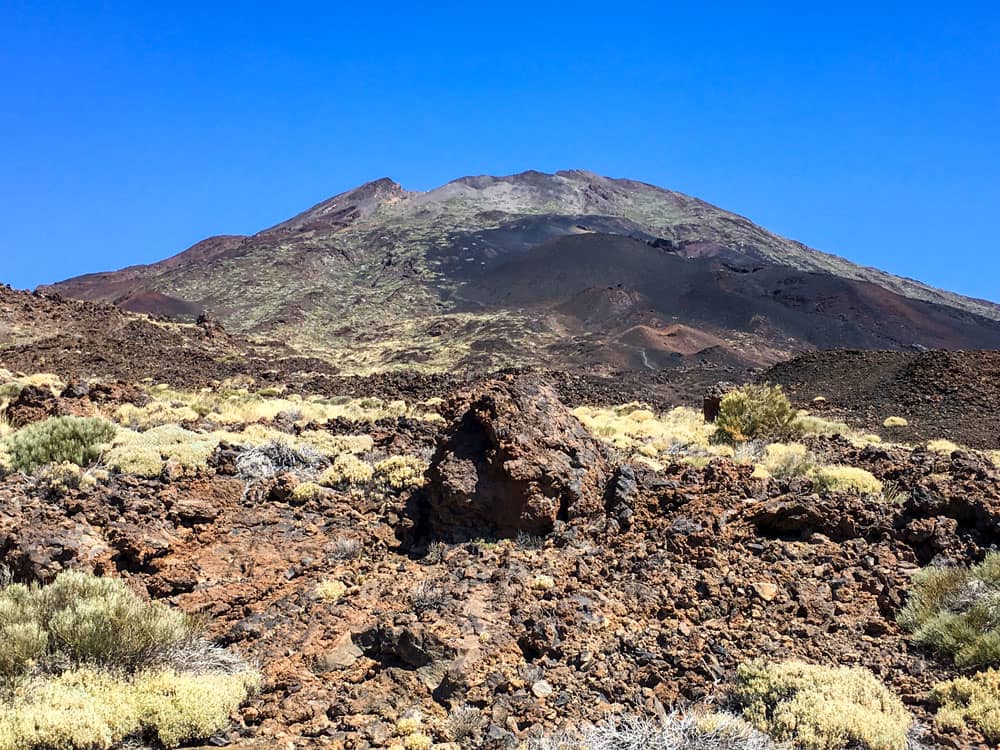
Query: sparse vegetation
pixel 755 411
pixel 891 422
pixel 77 440
pixel 821 708
pixel 955 611
pixel 971 700
pixel 85 663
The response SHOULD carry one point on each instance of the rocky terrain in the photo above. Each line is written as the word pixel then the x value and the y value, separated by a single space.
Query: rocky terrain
pixel 535 578
pixel 568 271
pixel 493 551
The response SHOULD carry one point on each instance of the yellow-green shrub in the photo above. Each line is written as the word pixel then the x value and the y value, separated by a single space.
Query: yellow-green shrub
pixel 755 411
pixel 974 700
pixel 944 447
pixel 895 422
pixel 306 491
pixel 77 440
pixel 347 469
pixel 333 445
pixel 400 472
pixel 821 708
pixel 836 478
pixel 807 424
pixel 956 611
pixel 785 461
pixel 87 709
pixel 154 414
pixel 145 453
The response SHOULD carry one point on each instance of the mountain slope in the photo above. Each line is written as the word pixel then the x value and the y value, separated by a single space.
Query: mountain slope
pixel 557 270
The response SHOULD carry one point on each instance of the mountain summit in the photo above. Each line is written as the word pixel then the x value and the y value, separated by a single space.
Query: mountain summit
pixel 570 270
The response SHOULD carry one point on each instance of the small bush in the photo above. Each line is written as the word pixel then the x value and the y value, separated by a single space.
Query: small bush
pixel 94 710
pixel 87 664
pixel 755 411
pixel 400 472
pixel 895 422
pixel 845 479
pixel 88 620
pixel 333 445
pixel 785 461
pixel 944 447
pixel 306 491
pixel 76 440
pixel 55 480
pixel 971 700
pixel 821 708
pixel 955 611
pixel 274 456
pixel 330 590
pixel 347 470
pixel 144 454
pixel 806 424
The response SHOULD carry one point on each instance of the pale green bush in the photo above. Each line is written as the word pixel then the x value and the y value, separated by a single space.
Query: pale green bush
pixel 86 664
pixel 956 611
pixel 785 461
pixel 86 619
pixel 821 708
pixel 77 440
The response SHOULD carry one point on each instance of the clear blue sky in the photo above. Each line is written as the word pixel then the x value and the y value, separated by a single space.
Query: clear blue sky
pixel 128 132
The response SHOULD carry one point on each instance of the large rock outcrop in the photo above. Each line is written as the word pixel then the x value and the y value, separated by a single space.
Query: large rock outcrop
pixel 513 460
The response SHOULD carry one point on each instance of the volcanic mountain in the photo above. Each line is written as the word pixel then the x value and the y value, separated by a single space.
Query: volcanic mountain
pixel 568 270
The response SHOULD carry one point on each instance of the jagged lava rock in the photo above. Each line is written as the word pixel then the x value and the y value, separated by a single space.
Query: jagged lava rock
pixel 514 459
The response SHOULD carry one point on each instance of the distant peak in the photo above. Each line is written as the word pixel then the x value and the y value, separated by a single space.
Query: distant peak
pixel 344 208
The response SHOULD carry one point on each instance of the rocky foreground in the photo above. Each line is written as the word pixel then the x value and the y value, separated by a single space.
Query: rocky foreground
pixel 534 576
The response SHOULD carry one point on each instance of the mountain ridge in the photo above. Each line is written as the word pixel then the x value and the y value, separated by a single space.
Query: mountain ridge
pixel 369 276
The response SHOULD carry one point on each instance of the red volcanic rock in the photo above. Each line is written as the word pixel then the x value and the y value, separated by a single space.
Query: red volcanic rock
pixel 514 460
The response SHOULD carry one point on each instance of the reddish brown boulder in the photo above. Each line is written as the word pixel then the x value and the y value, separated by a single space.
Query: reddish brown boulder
pixel 513 460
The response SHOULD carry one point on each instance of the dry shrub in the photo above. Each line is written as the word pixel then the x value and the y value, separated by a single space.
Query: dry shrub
pixel 849 479
pixel 400 472
pixel 944 447
pixel 955 611
pixel 785 461
pixel 821 708
pixel 347 470
pixel 971 700
pixel 691 732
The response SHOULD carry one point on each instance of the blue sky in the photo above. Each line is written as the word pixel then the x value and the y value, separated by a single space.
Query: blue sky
pixel 128 131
